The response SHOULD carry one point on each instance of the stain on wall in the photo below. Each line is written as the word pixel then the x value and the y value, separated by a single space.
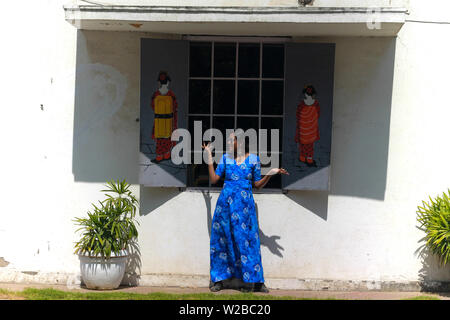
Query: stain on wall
pixel 3 262
pixel 101 91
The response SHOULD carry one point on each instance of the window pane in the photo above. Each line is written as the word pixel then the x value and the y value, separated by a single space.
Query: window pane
pixel 219 184
pixel 248 61
pixel 223 123
pixel 223 100
pixel 224 59
pixel 248 123
pixel 197 174
pixel 273 61
pixel 272 97
pixel 248 97
pixel 273 123
pixel 199 96
pixel 200 59
pixel 205 124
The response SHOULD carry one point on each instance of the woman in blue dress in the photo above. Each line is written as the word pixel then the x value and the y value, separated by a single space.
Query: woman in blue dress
pixel 235 245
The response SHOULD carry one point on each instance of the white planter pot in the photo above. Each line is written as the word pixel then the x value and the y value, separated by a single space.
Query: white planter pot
pixel 103 274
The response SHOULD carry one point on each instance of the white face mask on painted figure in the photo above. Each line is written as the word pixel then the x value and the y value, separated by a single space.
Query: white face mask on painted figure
pixel 164 88
pixel 309 100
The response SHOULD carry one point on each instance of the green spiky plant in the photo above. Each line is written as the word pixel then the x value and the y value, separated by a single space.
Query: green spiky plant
pixel 434 219
pixel 110 226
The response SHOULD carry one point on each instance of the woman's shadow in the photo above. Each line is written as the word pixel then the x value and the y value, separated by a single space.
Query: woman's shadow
pixel 268 241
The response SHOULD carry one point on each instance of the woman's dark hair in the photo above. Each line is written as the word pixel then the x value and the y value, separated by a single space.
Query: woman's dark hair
pixel 310 90
pixel 247 144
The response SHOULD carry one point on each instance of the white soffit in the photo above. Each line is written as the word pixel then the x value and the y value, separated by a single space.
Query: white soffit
pixel 267 21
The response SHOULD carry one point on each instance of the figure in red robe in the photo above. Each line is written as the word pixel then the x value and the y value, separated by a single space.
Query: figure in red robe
pixel 165 107
pixel 307 129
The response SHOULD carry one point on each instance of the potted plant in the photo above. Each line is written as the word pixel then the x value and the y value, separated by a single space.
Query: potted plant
pixel 434 219
pixel 107 233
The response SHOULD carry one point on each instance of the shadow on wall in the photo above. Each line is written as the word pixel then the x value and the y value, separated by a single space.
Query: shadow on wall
pixel 314 201
pixel 268 241
pixel 361 117
pixel 209 214
pixel 153 198
pixel 133 266
pixel 432 276
pixel 106 133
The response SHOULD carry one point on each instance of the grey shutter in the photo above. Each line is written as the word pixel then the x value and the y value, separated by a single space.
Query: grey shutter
pixel 170 56
pixel 308 63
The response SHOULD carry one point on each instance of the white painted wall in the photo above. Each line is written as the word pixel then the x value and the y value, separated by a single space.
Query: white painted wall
pixel 388 153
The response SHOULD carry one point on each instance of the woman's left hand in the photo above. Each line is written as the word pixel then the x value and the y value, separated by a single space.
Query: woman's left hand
pixel 275 171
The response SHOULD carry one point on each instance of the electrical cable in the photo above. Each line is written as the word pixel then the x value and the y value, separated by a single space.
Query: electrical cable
pixel 432 22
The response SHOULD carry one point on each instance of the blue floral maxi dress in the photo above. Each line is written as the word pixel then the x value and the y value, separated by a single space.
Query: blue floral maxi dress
pixel 235 246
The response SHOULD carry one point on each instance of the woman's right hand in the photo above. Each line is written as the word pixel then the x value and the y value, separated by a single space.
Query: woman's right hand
pixel 275 171
pixel 207 147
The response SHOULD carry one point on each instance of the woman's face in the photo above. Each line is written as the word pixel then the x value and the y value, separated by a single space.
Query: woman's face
pixel 232 142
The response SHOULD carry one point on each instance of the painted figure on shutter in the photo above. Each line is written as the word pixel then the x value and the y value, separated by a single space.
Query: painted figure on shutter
pixel 307 128
pixel 165 107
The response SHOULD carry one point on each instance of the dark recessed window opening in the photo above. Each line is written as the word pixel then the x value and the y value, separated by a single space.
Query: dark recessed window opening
pixel 235 85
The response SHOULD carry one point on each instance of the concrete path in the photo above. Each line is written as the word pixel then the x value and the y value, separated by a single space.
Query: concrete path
pixel 349 295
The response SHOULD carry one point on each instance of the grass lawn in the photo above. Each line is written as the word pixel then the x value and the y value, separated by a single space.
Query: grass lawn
pixel 423 298
pixel 52 294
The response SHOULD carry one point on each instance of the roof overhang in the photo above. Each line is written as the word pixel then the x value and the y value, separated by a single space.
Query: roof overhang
pixel 264 21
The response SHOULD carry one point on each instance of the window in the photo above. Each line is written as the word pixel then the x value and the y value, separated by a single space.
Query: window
pixel 235 84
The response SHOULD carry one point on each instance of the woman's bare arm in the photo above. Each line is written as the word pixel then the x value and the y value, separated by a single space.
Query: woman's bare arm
pixel 213 177
pixel 261 183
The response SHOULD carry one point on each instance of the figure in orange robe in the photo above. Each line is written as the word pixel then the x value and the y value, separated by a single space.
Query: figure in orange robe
pixel 307 130
pixel 165 107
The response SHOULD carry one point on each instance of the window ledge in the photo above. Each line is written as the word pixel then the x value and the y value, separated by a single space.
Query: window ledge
pixel 218 190
pixel 314 21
